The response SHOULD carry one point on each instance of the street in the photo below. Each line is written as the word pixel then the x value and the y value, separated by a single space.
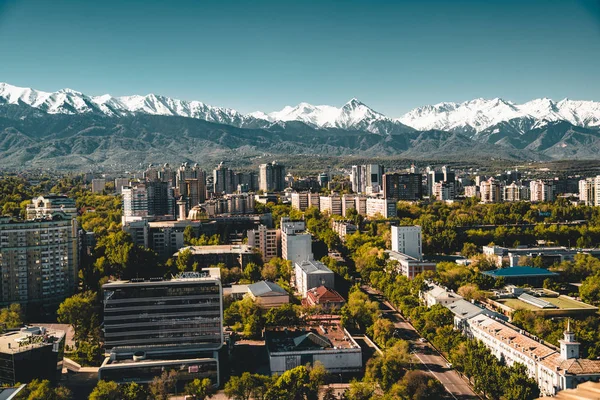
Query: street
pixel 431 361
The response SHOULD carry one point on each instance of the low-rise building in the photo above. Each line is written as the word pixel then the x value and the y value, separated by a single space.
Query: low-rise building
pixel 325 297
pixel 311 274
pixel 343 228
pixel 268 294
pixel 229 255
pixel 410 266
pixel 296 243
pixel 31 353
pixel 435 294
pixel 331 345
pixel 385 208
pixel 521 275
pixel 331 204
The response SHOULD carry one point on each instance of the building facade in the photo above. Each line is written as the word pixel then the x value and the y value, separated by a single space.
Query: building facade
pixel 267 241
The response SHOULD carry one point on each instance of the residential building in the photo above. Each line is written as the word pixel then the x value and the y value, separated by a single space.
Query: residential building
pixel 223 179
pixel 491 191
pixel 358 179
pixel 472 191
pixel 435 294
pixel 331 204
pixel 410 266
pixel 156 325
pixel 296 243
pixel 243 203
pixel 444 190
pixel 190 183
pixel 39 257
pixel 343 228
pixel 433 177
pixel 348 203
pixel 31 353
pixel 406 187
pixel 541 191
pixel 589 191
pixel 380 207
pixel 374 181
pixel 324 297
pixel 268 294
pixel 515 192
pixel 360 203
pixel 329 344
pixel 310 274
pixel 408 240
pixel 98 185
pixel 119 183
pixel 300 200
pixel 267 241
pixel 271 177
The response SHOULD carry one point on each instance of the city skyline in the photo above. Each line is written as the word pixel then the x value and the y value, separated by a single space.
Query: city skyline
pixel 264 56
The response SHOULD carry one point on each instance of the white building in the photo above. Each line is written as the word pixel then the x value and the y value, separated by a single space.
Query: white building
pixel 379 206
pixel 541 191
pixel 553 369
pixel 491 191
pixel 135 203
pixel 515 192
pixel 331 204
pixel 300 201
pixel 310 274
pixel 348 203
pixel 410 266
pixel 444 190
pixel 408 240
pixel 296 244
pixel 589 191
pixel 266 240
pixel 435 294
pixel 343 228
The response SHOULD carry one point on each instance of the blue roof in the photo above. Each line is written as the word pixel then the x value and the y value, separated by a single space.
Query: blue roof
pixel 515 272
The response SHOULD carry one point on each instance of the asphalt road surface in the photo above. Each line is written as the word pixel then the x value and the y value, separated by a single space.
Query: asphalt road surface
pixel 431 361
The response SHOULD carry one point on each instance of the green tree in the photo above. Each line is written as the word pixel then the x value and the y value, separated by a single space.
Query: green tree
pixel 133 391
pixel 200 389
pixel 240 387
pixel 519 386
pixel 360 390
pixel 11 316
pixel 590 290
pixel 43 390
pixel 79 311
pixel 359 311
pixel 284 315
pixel 184 260
pixel 468 250
pixel 106 390
pixel 161 386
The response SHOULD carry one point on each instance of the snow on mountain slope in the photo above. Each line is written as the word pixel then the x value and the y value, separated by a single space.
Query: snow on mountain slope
pixel 479 114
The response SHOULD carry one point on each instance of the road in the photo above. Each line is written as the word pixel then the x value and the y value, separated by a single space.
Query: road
pixel 431 361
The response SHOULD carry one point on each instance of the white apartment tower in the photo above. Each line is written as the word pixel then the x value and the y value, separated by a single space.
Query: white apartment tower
pixel 408 240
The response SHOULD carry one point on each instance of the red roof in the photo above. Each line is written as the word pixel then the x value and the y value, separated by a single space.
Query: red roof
pixel 324 295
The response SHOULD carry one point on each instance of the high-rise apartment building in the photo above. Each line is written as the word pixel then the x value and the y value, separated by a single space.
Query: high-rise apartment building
pixel 331 204
pixel 402 186
pixel 376 207
pixel 39 256
pixel 541 191
pixel 266 240
pixel 367 176
pixel 515 192
pixel 271 177
pixel 296 243
pixel 491 191
pixel 408 240
pixel 223 179
pixel 98 185
pixel 433 177
pixel 119 183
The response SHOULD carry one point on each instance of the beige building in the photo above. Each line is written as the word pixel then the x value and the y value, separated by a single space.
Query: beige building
pixel 268 294
pixel 98 185
pixel 267 241
pixel 541 191
pixel 380 206
pixel 491 191
pixel 331 204
pixel 515 192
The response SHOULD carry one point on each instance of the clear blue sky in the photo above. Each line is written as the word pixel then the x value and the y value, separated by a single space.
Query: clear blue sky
pixel 263 55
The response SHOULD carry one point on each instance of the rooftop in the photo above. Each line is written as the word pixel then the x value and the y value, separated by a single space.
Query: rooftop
pixel 323 294
pixel 583 391
pixel 464 309
pixel 314 267
pixel 266 288
pixel 28 338
pixel 219 249
pixel 207 274
pixel 324 337
pixel 514 272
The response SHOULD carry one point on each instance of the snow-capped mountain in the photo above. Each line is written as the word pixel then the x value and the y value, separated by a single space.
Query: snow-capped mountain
pixel 67 101
pixel 473 118
pixel 354 115
pixel 478 115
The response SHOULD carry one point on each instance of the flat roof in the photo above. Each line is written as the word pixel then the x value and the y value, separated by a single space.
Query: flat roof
pixel 28 338
pixel 207 274
pixel 314 267
pixel 515 272
pixel 219 249
pixel 561 303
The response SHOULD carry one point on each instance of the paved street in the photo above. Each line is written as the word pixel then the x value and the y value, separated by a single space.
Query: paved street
pixel 431 361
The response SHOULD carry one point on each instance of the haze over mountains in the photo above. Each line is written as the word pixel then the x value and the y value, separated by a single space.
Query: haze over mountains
pixel 71 129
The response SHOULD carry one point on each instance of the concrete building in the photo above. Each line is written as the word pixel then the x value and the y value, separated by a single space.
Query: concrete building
pixel 491 191
pixel 31 353
pixel 589 191
pixel 98 185
pixel 541 191
pixel 472 191
pixel 444 190
pixel 360 203
pixel 331 204
pixel 408 240
pixel 267 241
pixel 229 204
pixel 300 201
pixel 407 187
pixel 271 177
pixel 348 203
pixel 435 294
pixel 367 176
pixel 39 257
pixel 119 183
pixel 229 255
pixel 223 180
pixel 296 244
pixel 381 207
pixel 343 228
pixel 309 274
pixel 330 344
pixel 180 328
pixel 553 369
pixel 410 266
pixel 268 294
pixel 515 192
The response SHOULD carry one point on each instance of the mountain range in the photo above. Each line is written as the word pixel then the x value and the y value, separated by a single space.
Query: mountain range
pixel 73 130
